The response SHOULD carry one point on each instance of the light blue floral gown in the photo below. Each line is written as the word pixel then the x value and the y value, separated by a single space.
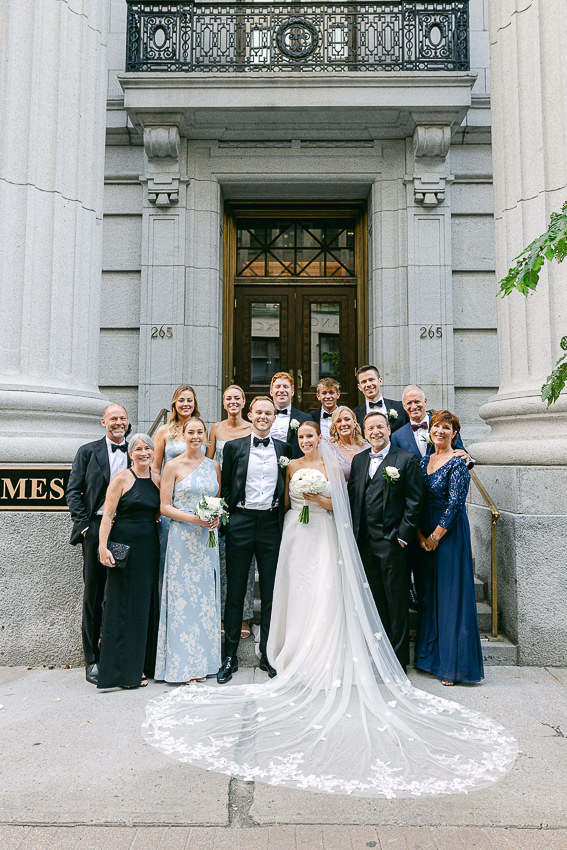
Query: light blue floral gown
pixel 189 627
pixel 173 448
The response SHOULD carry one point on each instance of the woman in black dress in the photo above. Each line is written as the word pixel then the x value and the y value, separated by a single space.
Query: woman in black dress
pixel 131 607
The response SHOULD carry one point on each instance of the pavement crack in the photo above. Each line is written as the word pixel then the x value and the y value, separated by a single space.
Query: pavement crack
pixel 557 729
pixel 240 799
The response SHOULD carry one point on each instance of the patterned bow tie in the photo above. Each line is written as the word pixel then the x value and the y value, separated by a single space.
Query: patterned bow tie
pixel 284 412
pixel 423 425
pixel 376 403
pixel 326 415
pixel 259 441
pixel 123 447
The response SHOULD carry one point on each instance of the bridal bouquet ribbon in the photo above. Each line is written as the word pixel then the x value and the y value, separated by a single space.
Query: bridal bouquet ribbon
pixel 209 508
pixel 308 481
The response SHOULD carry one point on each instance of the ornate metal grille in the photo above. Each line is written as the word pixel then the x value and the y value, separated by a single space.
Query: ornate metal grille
pixel 295 249
pixel 296 36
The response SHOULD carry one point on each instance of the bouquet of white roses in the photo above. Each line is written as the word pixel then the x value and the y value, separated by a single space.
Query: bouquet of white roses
pixel 308 481
pixel 209 508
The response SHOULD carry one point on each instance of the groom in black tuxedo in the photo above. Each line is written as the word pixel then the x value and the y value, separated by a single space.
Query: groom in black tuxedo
pixel 94 467
pixel 386 491
pixel 253 486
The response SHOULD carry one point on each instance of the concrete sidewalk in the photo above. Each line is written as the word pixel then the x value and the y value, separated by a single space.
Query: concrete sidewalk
pixel 75 772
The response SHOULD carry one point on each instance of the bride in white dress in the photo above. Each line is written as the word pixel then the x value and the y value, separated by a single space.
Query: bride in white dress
pixel 341 716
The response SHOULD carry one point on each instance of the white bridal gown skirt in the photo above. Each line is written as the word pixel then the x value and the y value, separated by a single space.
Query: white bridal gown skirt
pixel 341 715
pixel 306 630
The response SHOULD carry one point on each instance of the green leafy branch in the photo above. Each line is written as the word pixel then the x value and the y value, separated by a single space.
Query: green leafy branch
pixel 524 277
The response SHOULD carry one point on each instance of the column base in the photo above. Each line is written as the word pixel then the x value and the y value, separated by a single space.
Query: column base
pixel 532 529
pixel 47 425
pixel 524 431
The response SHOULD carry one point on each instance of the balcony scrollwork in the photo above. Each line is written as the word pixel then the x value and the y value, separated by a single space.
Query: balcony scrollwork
pixel 325 36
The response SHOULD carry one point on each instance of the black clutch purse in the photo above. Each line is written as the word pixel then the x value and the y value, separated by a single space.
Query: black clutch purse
pixel 120 552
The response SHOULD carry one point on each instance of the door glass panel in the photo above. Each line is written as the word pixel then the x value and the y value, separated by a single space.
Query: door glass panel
pixel 265 348
pixel 325 330
pixel 295 249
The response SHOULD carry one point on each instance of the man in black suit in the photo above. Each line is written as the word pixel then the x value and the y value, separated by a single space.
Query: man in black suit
pixel 253 486
pixel 288 418
pixel 369 384
pixel 94 467
pixel 328 393
pixel 386 491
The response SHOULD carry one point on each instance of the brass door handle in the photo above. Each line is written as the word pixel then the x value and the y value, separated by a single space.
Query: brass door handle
pixel 299 385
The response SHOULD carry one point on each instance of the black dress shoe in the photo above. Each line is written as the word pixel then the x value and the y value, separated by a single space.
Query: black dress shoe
pixel 265 665
pixel 92 673
pixel 228 667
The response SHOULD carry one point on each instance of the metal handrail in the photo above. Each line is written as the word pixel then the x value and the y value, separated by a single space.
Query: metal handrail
pixel 160 419
pixel 495 514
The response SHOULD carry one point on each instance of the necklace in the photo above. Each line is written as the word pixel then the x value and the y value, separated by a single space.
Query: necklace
pixel 347 448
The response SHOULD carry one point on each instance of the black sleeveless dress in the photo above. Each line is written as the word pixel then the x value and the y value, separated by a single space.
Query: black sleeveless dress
pixel 131 605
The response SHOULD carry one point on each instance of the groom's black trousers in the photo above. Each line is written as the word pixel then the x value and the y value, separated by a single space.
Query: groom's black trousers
pixel 249 533
pixel 386 570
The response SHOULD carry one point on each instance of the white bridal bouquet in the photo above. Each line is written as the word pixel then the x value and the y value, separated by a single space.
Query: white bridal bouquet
pixel 211 507
pixel 308 481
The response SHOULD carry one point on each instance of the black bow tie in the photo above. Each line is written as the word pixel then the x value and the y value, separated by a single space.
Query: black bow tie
pixel 259 441
pixel 376 404
pixel 284 412
pixel 326 415
pixel 123 447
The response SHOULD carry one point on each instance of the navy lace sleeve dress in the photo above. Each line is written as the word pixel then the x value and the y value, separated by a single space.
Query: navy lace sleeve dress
pixel 448 641
pixel 131 606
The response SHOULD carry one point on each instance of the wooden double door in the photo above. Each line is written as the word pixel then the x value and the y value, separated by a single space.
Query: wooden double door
pixel 307 330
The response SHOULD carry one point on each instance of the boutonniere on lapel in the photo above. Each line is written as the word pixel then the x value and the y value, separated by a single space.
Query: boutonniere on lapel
pixel 427 439
pixel 294 424
pixel 391 474
pixel 392 413
pixel 284 461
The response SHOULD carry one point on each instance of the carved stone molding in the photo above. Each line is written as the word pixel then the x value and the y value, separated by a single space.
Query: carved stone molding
pixel 430 147
pixel 431 141
pixel 163 178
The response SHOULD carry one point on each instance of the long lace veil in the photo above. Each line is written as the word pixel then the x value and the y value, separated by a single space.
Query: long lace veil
pixel 342 717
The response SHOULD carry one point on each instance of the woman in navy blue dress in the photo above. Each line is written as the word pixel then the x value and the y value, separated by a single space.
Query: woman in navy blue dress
pixel 448 641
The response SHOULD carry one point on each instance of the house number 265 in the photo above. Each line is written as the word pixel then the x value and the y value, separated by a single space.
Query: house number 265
pixel 162 332
pixel 430 332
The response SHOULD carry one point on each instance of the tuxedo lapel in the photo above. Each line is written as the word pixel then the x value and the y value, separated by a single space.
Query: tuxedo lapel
pixel 242 470
pixel 101 454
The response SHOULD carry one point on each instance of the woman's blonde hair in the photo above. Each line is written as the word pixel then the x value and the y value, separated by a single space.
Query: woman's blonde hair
pixel 174 422
pixel 358 438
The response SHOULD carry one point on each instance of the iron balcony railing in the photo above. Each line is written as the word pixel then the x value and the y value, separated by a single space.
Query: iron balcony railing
pixel 313 36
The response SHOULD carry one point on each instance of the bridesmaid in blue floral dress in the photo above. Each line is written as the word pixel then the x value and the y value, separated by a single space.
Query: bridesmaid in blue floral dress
pixel 170 444
pixel 448 640
pixel 189 629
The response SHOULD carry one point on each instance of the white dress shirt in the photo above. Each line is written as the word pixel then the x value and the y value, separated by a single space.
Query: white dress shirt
pixel 420 436
pixel 118 461
pixel 324 424
pixel 281 425
pixel 262 477
pixel 380 409
pixel 377 460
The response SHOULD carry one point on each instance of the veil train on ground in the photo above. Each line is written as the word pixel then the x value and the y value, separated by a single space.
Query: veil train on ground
pixel 342 717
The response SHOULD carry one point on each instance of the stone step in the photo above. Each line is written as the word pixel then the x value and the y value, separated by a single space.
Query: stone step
pixel 480 589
